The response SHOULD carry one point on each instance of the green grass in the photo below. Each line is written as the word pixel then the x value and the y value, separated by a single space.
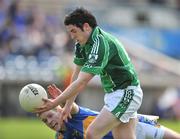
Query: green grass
pixel 35 129
pixel 172 124
pixel 24 129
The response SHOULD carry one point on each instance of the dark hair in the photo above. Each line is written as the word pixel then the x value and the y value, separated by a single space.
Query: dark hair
pixel 80 16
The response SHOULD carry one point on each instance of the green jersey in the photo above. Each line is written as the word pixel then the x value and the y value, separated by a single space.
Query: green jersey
pixel 104 55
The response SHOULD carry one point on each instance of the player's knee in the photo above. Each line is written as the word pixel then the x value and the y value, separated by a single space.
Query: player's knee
pixel 90 133
pixel 132 135
pixel 128 137
pixel 123 135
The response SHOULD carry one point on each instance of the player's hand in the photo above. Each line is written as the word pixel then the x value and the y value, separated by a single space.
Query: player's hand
pixel 53 91
pixel 48 104
pixel 65 114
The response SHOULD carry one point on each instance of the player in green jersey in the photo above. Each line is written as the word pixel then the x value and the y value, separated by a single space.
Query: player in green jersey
pixel 99 53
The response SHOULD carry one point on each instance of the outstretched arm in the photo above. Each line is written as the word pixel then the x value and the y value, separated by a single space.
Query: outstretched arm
pixel 72 90
pixel 54 92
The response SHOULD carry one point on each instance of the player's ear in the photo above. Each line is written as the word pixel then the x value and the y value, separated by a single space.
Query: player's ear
pixel 86 27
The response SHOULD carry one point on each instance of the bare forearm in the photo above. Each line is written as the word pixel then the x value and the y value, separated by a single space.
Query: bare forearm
pixel 70 103
pixel 71 91
pixel 75 73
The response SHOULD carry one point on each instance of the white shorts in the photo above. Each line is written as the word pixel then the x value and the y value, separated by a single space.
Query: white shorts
pixel 124 103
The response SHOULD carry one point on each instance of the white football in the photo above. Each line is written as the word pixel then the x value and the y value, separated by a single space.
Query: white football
pixel 31 95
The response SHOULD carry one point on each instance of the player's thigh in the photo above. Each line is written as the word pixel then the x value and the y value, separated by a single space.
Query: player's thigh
pixel 103 123
pixel 125 130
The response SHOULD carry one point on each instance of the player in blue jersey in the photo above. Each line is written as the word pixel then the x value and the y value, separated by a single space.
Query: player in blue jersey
pixel 75 128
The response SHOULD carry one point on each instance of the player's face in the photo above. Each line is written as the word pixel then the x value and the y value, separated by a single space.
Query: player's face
pixel 79 35
pixel 51 119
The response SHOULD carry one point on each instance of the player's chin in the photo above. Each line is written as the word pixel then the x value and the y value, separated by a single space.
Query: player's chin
pixel 57 127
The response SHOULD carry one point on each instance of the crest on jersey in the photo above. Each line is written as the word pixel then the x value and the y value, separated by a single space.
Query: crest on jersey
pixel 92 58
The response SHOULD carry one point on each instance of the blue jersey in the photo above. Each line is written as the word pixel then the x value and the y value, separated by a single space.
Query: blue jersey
pixel 76 127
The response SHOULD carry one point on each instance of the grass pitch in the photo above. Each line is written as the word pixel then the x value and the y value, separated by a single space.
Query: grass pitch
pixel 24 129
pixel 34 129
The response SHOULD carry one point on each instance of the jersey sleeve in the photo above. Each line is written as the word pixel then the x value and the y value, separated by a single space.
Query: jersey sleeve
pixel 78 58
pixel 98 56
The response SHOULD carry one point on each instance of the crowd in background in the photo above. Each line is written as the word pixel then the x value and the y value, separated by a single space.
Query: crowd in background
pixel 30 39
pixel 29 31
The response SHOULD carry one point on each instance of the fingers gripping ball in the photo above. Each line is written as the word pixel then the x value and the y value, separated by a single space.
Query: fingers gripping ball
pixel 30 97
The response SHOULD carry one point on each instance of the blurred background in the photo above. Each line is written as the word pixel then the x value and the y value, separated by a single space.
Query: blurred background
pixel 35 48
